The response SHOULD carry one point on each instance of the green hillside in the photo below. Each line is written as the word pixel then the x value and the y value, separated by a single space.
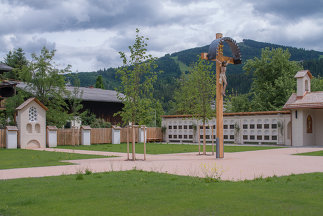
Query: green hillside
pixel 175 64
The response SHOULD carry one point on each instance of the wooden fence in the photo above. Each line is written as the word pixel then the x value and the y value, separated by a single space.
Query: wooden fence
pixel 68 137
pixel 98 136
pixel 2 138
pixel 154 134
pixel 101 135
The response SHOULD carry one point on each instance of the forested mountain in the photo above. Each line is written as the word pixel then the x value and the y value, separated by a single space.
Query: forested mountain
pixel 173 65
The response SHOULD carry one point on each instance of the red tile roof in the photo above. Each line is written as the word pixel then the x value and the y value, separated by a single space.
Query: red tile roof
pixel 302 73
pixel 309 100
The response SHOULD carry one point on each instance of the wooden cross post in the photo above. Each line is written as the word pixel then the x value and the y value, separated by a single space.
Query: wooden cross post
pixel 219 90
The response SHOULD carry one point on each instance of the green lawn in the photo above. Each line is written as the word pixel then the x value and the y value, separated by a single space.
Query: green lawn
pixel 147 193
pixel 315 153
pixel 20 158
pixel 153 148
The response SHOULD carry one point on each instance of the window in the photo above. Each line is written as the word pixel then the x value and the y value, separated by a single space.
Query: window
pixel 32 114
pixel 185 126
pixel 266 137
pixel 190 136
pixel 214 137
pixel 245 126
pixel 169 127
pixel 201 136
pixel 170 136
pixel 252 137
pixel 207 136
pixel 225 136
pixel 252 126
pixel 37 128
pixel 201 127
pixel 190 127
pixel 180 127
pixel 29 128
pixel 213 126
pixel 231 136
pixel 245 137
pixel 274 126
pixel 175 136
pixel 185 136
pixel 231 126
pixel 306 85
pixel 180 136
pixel 266 126
pixel 175 126
pixel 274 137
pixel 207 127
pixel 225 126
pixel 259 137
pixel 259 126
pixel 309 124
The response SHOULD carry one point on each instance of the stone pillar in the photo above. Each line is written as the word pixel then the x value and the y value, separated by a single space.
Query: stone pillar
pixel 51 136
pixel 11 137
pixel 116 134
pixel 142 136
pixel 85 135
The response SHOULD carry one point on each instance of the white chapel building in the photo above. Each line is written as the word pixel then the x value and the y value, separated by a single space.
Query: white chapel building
pixel 306 112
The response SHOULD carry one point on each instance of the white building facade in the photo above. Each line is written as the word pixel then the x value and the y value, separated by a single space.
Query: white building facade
pixel 307 112
pixel 272 127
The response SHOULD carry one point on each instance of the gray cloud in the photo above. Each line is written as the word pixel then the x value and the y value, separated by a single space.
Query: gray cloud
pixel 293 10
pixel 46 16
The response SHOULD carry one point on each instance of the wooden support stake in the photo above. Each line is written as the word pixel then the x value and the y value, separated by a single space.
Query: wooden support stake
pixel 144 143
pixel 199 140
pixel 212 142
pixel 127 142
pixel 133 143
pixel 204 139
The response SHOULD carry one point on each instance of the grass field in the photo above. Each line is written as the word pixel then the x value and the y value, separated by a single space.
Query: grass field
pixel 20 158
pixel 147 193
pixel 315 153
pixel 153 148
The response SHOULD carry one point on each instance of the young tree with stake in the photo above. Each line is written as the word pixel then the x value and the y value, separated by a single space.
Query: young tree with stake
pixel 137 77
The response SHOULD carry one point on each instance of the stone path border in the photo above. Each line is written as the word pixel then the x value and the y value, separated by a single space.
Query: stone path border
pixel 235 166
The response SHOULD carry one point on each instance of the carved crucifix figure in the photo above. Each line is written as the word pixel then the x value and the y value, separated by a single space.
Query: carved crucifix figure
pixel 223 77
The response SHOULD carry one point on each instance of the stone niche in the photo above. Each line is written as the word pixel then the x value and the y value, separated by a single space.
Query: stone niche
pixel 31 122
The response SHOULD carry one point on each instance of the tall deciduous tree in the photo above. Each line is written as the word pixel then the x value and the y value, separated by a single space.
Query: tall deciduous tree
pixel 99 82
pixel 197 93
pixel 47 83
pixel 137 77
pixel 273 79
pixel 17 60
pixel 317 84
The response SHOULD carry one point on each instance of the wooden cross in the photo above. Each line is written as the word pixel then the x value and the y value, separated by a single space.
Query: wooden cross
pixel 219 95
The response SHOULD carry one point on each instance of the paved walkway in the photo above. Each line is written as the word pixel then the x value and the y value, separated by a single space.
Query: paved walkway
pixel 235 166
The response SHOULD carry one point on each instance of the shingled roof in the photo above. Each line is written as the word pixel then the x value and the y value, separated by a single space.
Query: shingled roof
pixel 21 106
pixel 4 67
pixel 309 100
pixel 89 94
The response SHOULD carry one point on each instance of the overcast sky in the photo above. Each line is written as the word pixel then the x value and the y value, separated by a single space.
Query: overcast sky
pixel 89 33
